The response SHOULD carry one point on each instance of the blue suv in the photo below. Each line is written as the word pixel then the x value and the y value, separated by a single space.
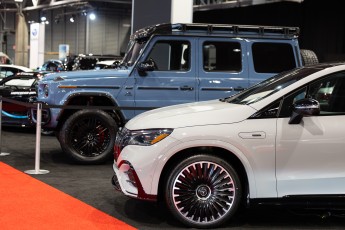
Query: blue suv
pixel 164 65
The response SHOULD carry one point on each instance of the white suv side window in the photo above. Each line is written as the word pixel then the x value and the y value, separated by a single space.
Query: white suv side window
pixel 330 93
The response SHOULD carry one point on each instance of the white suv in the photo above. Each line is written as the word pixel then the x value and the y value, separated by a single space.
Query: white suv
pixel 280 141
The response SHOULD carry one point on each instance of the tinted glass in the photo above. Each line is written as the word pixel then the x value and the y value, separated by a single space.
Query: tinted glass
pixel 273 57
pixel 222 56
pixel 330 93
pixel 171 55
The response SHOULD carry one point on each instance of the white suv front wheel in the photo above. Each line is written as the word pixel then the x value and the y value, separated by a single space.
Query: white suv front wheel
pixel 203 191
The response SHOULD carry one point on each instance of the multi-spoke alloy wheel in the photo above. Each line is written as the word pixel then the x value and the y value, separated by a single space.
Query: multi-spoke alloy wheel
pixel 88 136
pixel 203 191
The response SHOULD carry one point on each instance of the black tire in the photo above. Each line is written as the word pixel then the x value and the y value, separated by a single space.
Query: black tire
pixel 309 57
pixel 203 191
pixel 88 136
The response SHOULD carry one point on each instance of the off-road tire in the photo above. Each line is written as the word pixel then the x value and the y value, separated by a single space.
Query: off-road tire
pixel 88 136
pixel 308 57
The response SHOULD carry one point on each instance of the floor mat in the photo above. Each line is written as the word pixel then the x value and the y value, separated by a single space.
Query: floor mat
pixel 27 203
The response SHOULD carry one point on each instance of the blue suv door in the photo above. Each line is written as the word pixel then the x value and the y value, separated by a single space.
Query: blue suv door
pixel 173 80
pixel 223 67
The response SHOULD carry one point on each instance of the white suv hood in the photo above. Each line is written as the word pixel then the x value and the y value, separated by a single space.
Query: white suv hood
pixel 191 114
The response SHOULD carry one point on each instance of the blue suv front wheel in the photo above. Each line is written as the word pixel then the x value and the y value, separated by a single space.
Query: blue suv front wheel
pixel 88 136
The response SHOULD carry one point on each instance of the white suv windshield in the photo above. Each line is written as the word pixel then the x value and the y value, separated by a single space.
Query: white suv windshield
pixel 270 86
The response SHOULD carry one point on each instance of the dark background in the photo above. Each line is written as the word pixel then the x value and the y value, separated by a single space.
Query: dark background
pixel 322 23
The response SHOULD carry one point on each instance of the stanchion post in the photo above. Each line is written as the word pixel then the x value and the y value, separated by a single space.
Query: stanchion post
pixel 37 169
pixel 1 153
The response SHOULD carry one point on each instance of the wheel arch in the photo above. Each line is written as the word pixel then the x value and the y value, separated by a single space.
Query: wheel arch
pixel 222 153
pixel 89 99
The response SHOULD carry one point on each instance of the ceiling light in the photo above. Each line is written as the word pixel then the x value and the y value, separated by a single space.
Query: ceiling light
pixel 71 19
pixel 92 16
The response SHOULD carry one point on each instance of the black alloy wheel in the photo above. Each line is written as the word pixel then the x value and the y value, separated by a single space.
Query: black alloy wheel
pixel 88 136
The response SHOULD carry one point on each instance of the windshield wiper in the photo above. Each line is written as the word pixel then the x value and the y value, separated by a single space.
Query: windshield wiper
pixel 227 99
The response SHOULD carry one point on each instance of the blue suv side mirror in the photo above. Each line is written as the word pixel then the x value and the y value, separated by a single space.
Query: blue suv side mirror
pixel 145 66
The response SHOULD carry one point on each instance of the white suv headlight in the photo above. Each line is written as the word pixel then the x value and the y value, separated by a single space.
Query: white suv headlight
pixel 148 136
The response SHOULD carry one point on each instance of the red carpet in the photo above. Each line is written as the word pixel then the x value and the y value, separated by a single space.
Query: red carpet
pixel 27 203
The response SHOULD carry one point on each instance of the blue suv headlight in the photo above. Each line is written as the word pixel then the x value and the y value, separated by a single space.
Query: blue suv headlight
pixel 45 90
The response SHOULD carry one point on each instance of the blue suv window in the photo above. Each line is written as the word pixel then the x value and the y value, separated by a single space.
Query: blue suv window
pixel 222 56
pixel 273 57
pixel 171 55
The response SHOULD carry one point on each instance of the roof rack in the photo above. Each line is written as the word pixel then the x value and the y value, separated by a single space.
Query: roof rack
pixel 237 29
pixel 218 30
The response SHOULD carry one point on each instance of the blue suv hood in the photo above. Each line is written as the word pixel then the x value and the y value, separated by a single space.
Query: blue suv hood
pixel 87 74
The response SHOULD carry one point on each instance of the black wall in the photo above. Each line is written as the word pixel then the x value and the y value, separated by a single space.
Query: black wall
pixel 322 23
pixel 150 12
